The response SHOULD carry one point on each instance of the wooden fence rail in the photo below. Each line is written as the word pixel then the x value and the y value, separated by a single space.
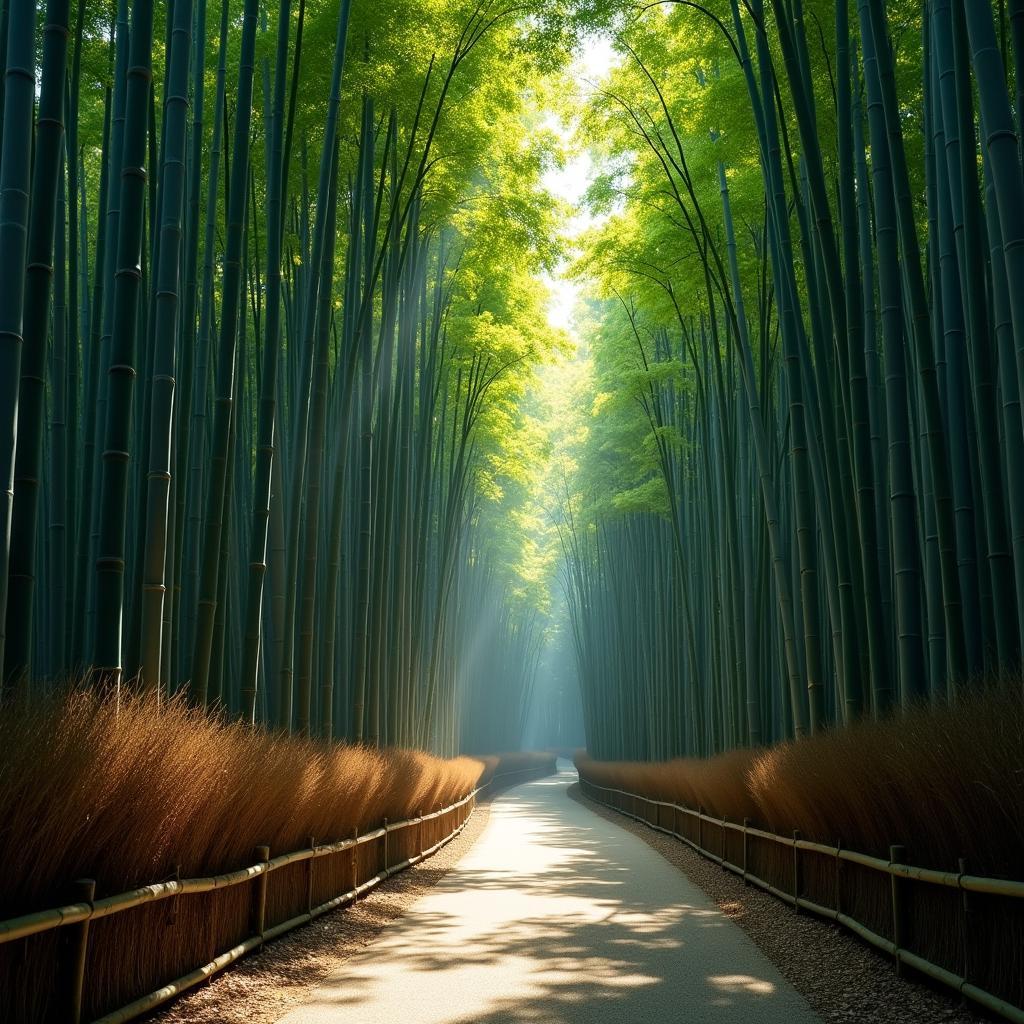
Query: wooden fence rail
pixel 445 823
pixel 649 812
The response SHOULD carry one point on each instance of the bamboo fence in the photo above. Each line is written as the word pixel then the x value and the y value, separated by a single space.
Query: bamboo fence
pixel 425 834
pixel 663 816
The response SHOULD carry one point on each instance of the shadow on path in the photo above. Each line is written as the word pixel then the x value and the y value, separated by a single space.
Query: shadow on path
pixel 558 916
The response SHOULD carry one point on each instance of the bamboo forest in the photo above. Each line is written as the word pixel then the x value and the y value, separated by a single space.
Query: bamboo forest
pixel 568 453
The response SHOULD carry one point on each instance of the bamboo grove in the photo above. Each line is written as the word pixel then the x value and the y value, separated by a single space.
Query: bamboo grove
pixel 808 354
pixel 267 310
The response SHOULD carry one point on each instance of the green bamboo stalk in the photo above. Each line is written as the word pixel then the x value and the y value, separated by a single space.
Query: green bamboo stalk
pixel 158 550
pixel 95 362
pixel 903 517
pixel 271 355
pixel 15 185
pixel 110 556
pixel 196 486
pixel 999 145
pixel 225 383
pixel 56 536
pixel 46 181
pixel 876 25
pixel 317 423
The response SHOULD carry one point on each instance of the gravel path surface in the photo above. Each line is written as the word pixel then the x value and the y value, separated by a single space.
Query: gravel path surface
pixel 843 979
pixel 262 988
pixel 558 916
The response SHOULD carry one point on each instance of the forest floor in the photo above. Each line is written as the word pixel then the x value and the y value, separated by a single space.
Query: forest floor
pixel 843 979
pixel 558 916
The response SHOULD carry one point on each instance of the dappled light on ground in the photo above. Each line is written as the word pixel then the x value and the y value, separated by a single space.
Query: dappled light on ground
pixel 742 983
pixel 558 916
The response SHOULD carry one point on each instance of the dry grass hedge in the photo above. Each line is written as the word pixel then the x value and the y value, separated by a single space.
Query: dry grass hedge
pixel 127 793
pixel 946 783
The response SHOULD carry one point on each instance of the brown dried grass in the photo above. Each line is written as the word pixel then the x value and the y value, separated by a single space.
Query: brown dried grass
pixel 945 781
pixel 128 792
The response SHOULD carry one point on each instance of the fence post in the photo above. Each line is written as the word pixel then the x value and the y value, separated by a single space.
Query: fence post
pixel 419 831
pixel 385 844
pixel 83 891
pixel 746 851
pixel 898 855
pixel 172 913
pixel 725 845
pixel 354 849
pixel 309 877
pixel 259 910
pixel 796 872
pixel 700 828
pixel 839 877
pixel 965 910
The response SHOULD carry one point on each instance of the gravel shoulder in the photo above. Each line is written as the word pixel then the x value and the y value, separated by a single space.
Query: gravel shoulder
pixel 844 980
pixel 557 916
pixel 262 988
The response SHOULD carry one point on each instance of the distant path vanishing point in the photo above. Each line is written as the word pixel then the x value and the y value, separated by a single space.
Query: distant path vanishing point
pixel 557 916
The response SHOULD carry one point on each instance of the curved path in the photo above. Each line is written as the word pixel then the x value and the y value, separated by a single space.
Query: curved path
pixel 557 916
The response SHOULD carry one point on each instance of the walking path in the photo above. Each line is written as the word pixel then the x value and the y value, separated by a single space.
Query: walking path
pixel 557 916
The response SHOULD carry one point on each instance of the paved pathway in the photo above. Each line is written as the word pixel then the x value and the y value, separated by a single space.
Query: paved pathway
pixel 557 916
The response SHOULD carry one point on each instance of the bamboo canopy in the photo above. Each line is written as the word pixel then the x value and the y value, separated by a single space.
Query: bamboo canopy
pixel 268 311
